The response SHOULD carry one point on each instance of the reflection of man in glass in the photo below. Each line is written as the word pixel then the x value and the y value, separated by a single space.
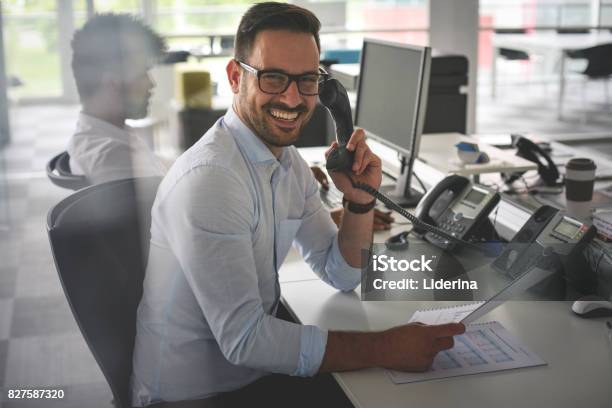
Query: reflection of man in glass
pixel 112 56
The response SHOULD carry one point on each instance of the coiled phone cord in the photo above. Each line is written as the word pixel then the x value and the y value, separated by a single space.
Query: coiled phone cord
pixel 414 220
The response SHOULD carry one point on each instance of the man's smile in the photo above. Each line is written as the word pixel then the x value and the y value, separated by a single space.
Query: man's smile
pixel 283 115
pixel 287 120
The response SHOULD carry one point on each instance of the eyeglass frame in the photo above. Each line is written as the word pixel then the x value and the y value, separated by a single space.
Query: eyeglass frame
pixel 292 78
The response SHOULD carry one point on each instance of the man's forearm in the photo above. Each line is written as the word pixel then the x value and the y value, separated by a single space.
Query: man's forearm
pixel 355 234
pixel 350 351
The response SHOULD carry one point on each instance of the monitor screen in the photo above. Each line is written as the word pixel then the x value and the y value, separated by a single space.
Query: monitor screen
pixel 390 99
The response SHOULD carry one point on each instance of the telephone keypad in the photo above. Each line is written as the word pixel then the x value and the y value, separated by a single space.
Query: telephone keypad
pixel 448 223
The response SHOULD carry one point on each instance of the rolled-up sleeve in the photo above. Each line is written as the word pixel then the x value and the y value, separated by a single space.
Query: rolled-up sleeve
pixel 312 350
pixel 208 221
pixel 317 242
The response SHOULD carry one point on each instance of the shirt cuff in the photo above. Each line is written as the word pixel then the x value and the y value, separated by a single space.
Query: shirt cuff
pixel 313 341
pixel 341 275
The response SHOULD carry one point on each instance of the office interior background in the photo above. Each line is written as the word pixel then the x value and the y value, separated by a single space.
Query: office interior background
pixel 40 343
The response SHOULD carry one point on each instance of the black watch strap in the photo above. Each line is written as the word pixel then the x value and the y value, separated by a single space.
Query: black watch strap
pixel 356 208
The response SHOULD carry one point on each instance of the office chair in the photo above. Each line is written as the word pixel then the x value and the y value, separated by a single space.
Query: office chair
pixel 599 65
pixel 58 171
pixel 572 30
pixel 99 238
pixel 509 53
pixel 227 44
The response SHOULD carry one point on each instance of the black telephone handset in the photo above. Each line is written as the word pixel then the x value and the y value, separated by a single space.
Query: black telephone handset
pixel 436 199
pixel 547 169
pixel 458 207
pixel 334 97
pixel 549 240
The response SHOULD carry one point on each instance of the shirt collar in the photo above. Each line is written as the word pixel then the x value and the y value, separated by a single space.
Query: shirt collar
pixel 109 129
pixel 254 148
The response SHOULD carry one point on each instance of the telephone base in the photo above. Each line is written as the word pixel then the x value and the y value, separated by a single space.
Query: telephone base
pixel 409 200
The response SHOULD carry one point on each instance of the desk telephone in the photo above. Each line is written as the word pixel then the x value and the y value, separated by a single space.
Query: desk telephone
pixel 550 240
pixel 448 215
pixel 458 207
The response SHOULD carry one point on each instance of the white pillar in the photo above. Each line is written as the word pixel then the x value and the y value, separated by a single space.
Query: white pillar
pixel 595 13
pixel 453 28
pixel 5 130
pixel 149 11
pixel 65 24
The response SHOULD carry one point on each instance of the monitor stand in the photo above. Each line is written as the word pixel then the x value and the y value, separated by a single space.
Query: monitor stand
pixel 402 193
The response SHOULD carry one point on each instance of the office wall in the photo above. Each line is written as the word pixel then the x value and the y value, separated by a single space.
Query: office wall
pixel 453 28
pixel 4 121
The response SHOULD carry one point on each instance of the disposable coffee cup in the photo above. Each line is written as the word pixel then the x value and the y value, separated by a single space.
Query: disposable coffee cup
pixel 579 181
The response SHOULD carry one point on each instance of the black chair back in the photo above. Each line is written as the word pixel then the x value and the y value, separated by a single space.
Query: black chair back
pixel 509 53
pixel 571 30
pixel 100 238
pixel 58 171
pixel 599 60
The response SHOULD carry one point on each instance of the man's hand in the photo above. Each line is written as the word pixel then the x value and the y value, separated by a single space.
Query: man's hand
pixel 412 347
pixel 382 219
pixel 367 169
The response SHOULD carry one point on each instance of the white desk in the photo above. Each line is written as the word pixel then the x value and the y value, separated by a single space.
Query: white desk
pixel 579 370
pixel 558 44
pixel 439 151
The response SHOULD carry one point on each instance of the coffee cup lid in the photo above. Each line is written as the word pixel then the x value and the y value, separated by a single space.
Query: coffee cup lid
pixel 580 163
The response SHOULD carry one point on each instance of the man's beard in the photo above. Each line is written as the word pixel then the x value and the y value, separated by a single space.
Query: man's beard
pixel 258 122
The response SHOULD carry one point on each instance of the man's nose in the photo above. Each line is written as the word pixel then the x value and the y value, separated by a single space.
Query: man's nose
pixel 292 96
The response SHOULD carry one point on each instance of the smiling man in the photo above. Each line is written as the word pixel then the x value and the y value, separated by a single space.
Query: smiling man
pixel 223 221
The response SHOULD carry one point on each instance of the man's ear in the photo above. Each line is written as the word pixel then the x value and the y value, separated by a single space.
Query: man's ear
pixel 234 73
pixel 110 81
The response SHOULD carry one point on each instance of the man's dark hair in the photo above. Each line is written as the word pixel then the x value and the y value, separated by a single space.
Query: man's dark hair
pixel 273 16
pixel 101 46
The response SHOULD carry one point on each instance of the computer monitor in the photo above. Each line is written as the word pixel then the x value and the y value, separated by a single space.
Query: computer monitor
pixel 391 104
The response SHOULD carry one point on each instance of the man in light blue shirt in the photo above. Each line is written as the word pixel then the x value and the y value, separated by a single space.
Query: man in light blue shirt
pixel 224 219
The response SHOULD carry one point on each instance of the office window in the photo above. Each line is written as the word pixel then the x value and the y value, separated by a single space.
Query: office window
pixel 117 6
pixel 403 21
pixel 31 42
pixel 535 13
pixel 605 14
pixel 197 17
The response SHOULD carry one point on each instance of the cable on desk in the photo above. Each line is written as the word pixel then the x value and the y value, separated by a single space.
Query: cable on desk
pixel 420 182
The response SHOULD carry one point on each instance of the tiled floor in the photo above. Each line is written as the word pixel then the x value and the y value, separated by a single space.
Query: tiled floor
pixel 40 345
pixel 532 107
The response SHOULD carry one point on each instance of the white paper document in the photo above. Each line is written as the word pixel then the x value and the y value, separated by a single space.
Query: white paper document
pixel 452 314
pixel 484 347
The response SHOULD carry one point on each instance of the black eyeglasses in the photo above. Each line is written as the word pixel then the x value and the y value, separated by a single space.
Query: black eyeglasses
pixel 276 82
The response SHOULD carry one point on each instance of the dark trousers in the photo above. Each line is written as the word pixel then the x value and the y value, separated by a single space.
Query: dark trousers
pixel 276 390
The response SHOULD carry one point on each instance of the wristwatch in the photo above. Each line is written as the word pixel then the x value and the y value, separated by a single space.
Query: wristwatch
pixel 356 208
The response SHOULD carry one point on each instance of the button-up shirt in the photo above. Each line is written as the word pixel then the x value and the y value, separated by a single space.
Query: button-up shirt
pixel 103 152
pixel 224 218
